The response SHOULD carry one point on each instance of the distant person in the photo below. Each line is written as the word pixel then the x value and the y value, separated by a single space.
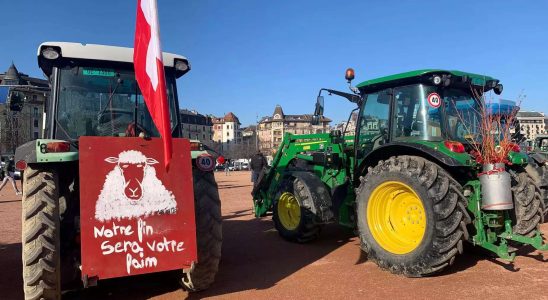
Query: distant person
pixel 258 163
pixel 9 172
pixel 227 168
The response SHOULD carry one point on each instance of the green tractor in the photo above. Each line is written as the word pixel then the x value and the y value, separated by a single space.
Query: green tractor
pixel 406 180
pixel 80 227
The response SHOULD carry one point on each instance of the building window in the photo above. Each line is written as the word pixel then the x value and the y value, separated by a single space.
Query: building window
pixel 34 97
pixel 35 135
pixel 35 123
pixel 36 112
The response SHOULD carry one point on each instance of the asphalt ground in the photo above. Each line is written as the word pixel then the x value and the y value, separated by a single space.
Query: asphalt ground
pixel 258 264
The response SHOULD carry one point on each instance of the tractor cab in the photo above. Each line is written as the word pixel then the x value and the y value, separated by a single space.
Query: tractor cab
pixel 94 91
pixel 424 108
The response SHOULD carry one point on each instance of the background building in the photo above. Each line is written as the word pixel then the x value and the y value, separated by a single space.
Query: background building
pixel 272 129
pixel 531 123
pixel 226 130
pixel 22 100
pixel 196 126
pixel 351 129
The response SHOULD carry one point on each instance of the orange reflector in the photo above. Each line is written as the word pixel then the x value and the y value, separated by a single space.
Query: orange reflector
pixel 58 147
pixel 454 146
pixel 21 165
pixel 195 146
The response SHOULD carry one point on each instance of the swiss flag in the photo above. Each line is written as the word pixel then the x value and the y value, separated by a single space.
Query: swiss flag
pixel 149 70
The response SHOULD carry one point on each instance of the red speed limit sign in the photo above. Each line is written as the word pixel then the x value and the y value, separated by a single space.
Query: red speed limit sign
pixel 434 100
pixel 205 162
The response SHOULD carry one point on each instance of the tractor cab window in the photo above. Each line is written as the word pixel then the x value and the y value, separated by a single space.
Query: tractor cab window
pixel 416 115
pixel 373 122
pixel 104 102
pixel 463 114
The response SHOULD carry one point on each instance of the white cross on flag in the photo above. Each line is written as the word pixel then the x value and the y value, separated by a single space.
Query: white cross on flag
pixel 149 70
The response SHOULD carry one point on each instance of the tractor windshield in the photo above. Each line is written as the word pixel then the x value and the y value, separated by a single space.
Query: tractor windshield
pixel 105 102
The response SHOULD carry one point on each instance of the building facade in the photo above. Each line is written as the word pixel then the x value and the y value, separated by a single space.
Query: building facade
pixel 22 101
pixel 271 129
pixel 196 126
pixel 226 130
pixel 350 125
pixel 531 124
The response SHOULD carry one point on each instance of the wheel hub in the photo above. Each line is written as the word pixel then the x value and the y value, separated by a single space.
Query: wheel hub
pixel 396 217
pixel 289 211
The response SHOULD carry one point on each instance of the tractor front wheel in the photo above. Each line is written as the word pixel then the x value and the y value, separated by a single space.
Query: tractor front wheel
pixel 41 235
pixel 411 216
pixel 293 211
pixel 207 206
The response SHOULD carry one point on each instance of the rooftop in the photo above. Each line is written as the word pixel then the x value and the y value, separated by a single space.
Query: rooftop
pixel 380 82
pixel 530 114
pixel 13 77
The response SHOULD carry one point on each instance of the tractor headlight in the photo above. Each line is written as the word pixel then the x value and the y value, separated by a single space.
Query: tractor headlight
pixel 181 66
pixel 436 79
pixel 50 53
pixel 498 89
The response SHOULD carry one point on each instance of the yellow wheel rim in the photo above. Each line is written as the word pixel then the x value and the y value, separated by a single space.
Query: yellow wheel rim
pixel 396 217
pixel 289 211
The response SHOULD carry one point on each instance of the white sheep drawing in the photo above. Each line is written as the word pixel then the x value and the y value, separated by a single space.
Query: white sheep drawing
pixel 132 189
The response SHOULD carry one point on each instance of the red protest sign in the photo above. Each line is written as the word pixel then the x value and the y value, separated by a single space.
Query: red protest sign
pixel 135 217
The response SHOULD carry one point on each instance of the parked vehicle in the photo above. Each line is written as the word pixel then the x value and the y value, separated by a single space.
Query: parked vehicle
pixel 407 181
pixel 94 187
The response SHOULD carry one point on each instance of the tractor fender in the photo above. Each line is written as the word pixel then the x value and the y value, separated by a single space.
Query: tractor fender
pixel 35 152
pixel 403 148
pixel 26 152
pixel 320 194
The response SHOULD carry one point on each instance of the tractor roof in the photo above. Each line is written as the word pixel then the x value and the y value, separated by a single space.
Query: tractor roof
pixel 99 52
pixel 417 75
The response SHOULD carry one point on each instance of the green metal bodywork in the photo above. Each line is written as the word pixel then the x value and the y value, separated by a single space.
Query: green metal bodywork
pixel 45 157
pixel 493 229
pixel 321 151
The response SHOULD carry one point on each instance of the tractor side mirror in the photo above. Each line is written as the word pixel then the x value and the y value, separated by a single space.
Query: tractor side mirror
pixel 318 111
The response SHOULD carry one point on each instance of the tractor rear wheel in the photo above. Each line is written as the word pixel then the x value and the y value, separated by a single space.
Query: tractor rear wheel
pixel 41 234
pixel 207 206
pixel 293 210
pixel 411 216
pixel 528 211
pixel 544 190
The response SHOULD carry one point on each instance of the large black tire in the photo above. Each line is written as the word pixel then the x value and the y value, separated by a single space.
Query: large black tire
pixel 314 203
pixel 41 235
pixel 209 232
pixel 445 210
pixel 544 190
pixel 528 212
